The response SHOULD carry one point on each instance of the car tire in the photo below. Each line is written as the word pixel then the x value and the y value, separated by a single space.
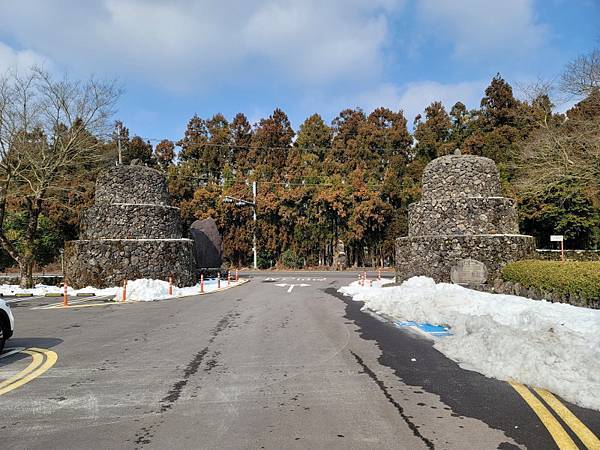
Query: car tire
pixel 4 331
pixel 3 336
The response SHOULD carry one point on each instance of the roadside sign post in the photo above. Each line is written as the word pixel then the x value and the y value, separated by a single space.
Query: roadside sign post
pixel 559 238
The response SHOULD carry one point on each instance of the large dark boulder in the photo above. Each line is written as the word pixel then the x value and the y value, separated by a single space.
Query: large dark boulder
pixel 208 244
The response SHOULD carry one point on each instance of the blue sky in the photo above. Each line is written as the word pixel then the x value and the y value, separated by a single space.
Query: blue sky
pixel 175 58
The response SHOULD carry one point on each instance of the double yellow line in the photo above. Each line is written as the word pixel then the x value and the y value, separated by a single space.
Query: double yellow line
pixel 556 430
pixel 42 360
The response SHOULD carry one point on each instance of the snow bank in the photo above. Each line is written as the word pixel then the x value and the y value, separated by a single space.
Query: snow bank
pixel 137 290
pixel 145 290
pixel 550 345
pixel 42 289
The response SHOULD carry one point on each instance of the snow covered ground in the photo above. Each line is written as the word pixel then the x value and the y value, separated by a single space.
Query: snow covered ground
pixel 137 290
pixel 549 345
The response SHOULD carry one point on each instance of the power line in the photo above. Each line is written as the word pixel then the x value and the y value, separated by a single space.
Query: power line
pixel 291 147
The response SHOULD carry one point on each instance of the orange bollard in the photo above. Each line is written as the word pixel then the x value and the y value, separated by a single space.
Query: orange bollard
pixel 360 279
pixel 202 283
pixel 219 280
pixel 65 298
pixel 170 285
pixel 379 274
pixel 228 278
pixel 124 291
pixel 237 275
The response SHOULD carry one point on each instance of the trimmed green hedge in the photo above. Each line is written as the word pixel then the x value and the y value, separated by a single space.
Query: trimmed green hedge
pixel 576 279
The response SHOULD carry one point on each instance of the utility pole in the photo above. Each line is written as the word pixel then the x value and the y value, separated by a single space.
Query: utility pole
pixel 254 228
pixel 119 144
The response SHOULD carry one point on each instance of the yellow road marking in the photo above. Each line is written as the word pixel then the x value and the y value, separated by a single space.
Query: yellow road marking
pixel 588 438
pixel 32 371
pixel 558 433
pixel 36 362
pixel 76 305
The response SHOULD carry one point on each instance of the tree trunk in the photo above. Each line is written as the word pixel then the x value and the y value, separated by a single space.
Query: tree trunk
pixel 26 275
pixel 27 259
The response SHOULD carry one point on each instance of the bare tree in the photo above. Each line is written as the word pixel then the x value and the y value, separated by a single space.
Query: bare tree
pixel 582 75
pixel 565 148
pixel 48 127
pixel 565 151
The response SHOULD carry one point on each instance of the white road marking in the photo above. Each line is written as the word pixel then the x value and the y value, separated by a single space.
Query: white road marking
pixel 292 286
pixel 294 278
pixel 11 351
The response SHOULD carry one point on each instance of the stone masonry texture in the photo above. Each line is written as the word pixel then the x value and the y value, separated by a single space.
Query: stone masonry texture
pixel 127 221
pixel 461 176
pixel 131 232
pixel 132 184
pixel 461 215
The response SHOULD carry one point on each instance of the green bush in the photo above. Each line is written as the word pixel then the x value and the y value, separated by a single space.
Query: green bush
pixel 290 260
pixel 264 260
pixel 577 279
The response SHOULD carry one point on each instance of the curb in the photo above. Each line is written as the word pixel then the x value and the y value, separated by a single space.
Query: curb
pixel 221 289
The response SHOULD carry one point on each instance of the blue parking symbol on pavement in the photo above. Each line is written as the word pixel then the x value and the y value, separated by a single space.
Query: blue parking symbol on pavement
pixel 434 330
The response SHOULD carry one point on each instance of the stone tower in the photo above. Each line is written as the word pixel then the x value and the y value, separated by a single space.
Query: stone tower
pixel 131 232
pixel 462 223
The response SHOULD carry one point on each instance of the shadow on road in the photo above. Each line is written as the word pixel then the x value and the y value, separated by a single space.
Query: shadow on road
pixel 27 342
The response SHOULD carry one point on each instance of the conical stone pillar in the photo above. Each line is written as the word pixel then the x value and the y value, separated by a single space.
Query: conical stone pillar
pixel 131 232
pixel 461 222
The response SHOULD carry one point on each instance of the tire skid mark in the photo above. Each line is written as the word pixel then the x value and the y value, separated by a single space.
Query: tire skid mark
pixel 175 392
pixel 146 433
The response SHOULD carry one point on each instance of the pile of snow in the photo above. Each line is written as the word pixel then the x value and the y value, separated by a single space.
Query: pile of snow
pixel 145 290
pixel 142 289
pixel 550 345
pixel 43 289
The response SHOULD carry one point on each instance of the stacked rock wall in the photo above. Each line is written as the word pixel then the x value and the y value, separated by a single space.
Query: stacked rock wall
pixel 106 262
pixel 461 216
pixel 131 232
pixel 128 221
pixel 132 184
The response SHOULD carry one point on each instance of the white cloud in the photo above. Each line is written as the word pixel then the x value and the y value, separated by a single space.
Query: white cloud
pixel 186 43
pixel 478 28
pixel 11 59
pixel 412 98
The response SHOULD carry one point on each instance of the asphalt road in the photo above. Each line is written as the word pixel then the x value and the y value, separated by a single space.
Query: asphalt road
pixel 256 366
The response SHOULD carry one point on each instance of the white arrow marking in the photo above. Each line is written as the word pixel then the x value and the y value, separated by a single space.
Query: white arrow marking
pixel 292 286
